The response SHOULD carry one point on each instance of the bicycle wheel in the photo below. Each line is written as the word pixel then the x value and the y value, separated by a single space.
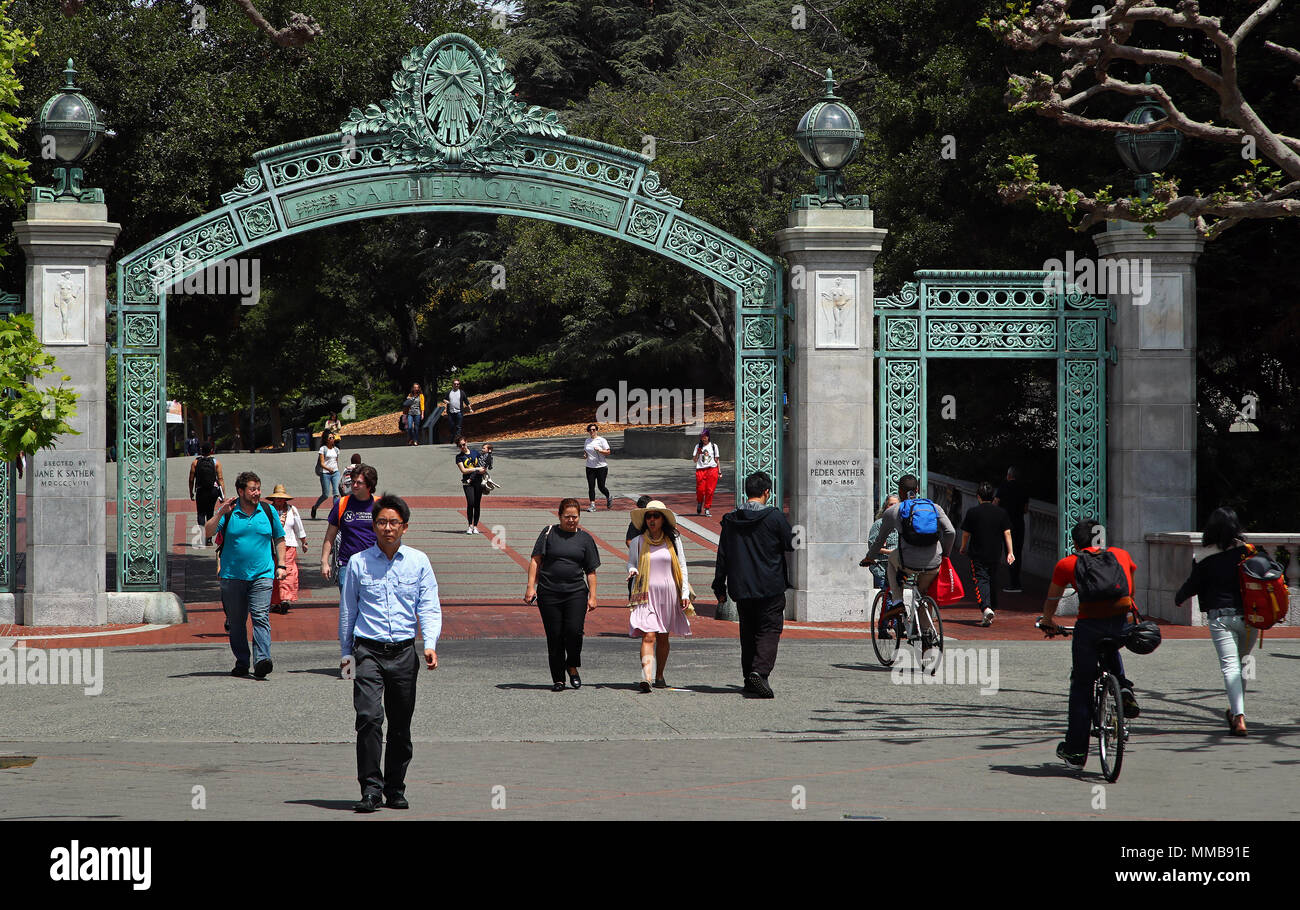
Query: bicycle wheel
pixel 927 607
pixel 1110 727
pixel 884 636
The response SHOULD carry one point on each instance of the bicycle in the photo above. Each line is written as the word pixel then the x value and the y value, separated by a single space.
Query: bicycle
pixel 891 628
pixel 1108 723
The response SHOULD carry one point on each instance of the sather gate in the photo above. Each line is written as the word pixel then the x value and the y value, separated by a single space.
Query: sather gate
pixel 450 137
pixel 982 314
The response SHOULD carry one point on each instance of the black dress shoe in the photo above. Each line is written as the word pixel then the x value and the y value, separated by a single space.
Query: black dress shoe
pixel 756 685
pixel 396 801
pixel 369 803
pixel 575 680
pixel 643 687
pixel 661 683
pixel 262 667
pixel 558 687
pixel 240 670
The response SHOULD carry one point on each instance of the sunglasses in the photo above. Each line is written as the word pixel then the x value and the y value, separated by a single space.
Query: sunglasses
pixel 654 515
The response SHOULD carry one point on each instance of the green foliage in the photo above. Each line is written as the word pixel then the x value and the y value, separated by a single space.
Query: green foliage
pixel 488 374
pixel 30 417
pixel 16 48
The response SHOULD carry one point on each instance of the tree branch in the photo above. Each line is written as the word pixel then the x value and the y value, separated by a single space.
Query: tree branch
pixel 300 30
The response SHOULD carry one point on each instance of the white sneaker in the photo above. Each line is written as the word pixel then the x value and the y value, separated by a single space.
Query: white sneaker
pixel 469 530
pixel 708 513
pixel 592 508
pixel 988 618
pixel 476 530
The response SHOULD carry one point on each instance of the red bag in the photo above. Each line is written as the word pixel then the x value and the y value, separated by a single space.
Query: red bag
pixel 1263 590
pixel 947 587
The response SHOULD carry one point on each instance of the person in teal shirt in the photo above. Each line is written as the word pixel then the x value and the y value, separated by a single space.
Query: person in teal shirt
pixel 250 550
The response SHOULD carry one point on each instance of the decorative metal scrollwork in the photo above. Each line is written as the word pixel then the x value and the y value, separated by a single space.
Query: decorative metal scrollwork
pixel 759 332
pixel 990 334
pixel 146 277
pixel 902 334
pixel 650 187
pixel 258 220
pixel 1081 335
pixel 140 546
pixel 759 416
pixel 140 330
pixel 251 186
pixel 719 255
pixel 1083 456
pixel 908 296
pixel 902 435
pixel 645 223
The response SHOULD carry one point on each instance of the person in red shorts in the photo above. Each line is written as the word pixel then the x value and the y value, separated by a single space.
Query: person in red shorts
pixel 1097 620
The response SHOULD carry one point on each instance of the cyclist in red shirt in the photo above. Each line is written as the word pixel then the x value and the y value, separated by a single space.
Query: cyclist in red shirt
pixel 1097 620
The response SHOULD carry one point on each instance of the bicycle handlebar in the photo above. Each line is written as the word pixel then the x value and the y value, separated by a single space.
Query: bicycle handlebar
pixel 1060 630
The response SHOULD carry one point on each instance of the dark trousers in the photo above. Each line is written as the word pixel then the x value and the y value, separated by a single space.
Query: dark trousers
pixel 1018 545
pixel 985 576
pixel 563 618
pixel 1084 650
pixel 596 478
pixel 454 418
pixel 384 685
pixel 761 622
pixel 473 499
pixel 204 503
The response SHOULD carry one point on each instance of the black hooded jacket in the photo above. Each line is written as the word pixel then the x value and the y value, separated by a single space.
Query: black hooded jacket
pixel 751 554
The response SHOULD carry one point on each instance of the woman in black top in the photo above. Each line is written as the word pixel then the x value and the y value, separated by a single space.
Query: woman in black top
pixel 1214 582
pixel 472 472
pixel 562 581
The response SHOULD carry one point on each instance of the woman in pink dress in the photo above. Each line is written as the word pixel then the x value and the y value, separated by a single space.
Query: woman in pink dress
pixel 661 592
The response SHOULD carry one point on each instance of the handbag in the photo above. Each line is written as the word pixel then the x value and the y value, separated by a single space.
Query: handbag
pixel 947 587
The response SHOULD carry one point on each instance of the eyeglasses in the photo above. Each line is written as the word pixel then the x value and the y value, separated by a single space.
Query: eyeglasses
pixel 389 522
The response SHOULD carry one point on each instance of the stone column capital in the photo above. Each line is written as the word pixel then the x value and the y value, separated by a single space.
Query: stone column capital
pixel 818 233
pixel 66 231
pixel 1175 241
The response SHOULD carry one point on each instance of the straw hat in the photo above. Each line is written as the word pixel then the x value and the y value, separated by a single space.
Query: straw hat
pixel 654 505
pixel 278 493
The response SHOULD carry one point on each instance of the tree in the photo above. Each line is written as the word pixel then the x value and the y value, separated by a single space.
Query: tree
pixel 16 48
pixel 1196 52
pixel 30 418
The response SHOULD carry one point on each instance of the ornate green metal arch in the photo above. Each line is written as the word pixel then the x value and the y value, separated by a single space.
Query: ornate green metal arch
pixel 450 137
pixel 998 314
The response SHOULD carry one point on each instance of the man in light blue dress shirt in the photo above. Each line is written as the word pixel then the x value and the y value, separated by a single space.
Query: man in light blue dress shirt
pixel 386 589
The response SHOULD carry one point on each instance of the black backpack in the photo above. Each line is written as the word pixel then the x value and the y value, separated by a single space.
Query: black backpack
pixel 205 474
pixel 1099 577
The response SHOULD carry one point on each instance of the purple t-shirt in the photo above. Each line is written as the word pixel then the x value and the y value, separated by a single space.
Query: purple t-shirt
pixel 356 529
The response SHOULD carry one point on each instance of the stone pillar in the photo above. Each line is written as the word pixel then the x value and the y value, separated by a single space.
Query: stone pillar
pixel 66 245
pixel 1151 389
pixel 832 254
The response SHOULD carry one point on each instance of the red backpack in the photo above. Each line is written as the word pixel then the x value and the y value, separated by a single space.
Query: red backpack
pixel 1263 589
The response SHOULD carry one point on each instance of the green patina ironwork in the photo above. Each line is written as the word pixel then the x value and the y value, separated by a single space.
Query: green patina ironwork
pixel 979 314
pixel 451 137
pixel 9 304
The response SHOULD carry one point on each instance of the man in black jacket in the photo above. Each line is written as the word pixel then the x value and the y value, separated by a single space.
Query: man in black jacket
pixel 751 563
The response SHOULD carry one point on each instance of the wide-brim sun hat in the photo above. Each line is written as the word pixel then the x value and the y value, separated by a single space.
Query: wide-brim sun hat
pixel 278 493
pixel 654 505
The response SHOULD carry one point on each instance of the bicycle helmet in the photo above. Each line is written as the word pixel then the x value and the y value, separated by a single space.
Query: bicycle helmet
pixel 1142 638
pixel 1262 568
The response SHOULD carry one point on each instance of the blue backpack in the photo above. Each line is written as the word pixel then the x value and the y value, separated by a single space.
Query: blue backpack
pixel 918 522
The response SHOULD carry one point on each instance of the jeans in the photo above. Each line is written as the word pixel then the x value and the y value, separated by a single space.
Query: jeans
pixel 240 599
pixel 1233 639
pixel 329 486
pixel 1084 651
pixel 413 427
pixel 454 418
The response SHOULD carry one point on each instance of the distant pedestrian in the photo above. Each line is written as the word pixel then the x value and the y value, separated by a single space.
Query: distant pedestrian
pixel 327 469
pixel 1012 497
pixel 351 526
pixel 457 407
pixel 632 530
pixel 660 599
pixel 751 567
pixel 472 472
pixel 251 555
pixel 890 545
pixel 708 471
pixel 345 477
pixel 285 593
pixel 388 588
pixel 595 451
pixel 985 531
pixel 413 414
pixel 192 444
pixel 562 582
pixel 1216 585
pixel 207 486
pixel 332 425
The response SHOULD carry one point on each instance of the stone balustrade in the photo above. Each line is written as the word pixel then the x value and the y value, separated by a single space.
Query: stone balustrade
pixel 1169 554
